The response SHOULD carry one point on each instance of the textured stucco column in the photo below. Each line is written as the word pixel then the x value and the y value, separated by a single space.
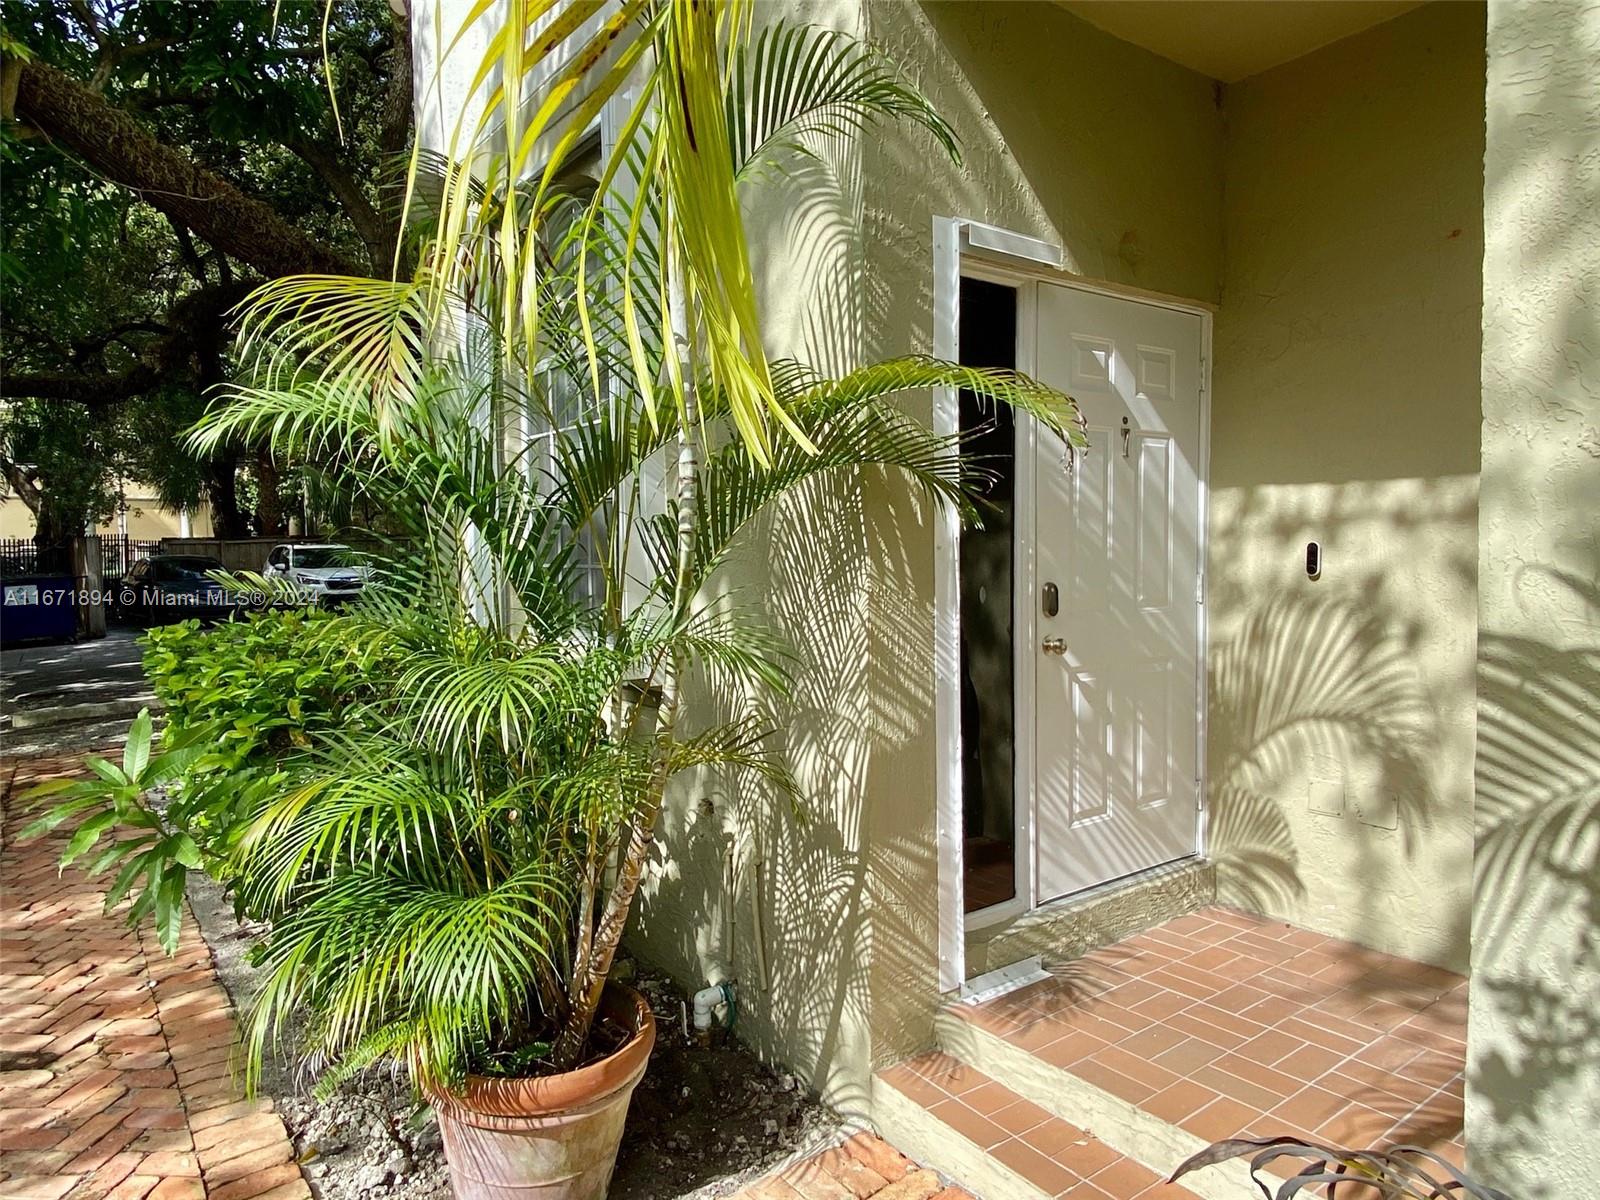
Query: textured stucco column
pixel 1533 1090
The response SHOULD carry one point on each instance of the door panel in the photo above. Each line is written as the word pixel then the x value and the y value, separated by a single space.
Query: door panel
pixel 1116 715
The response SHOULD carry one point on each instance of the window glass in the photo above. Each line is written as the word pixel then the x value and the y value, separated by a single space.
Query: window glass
pixel 317 557
pixel 186 570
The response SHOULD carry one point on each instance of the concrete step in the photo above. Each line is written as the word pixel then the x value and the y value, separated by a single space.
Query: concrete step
pixel 1115 1121
pixel 45 717
pixel 999 1144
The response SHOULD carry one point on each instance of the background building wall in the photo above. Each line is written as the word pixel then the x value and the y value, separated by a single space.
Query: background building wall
pixel 1533 1081
pixel 1344 410
pixel 146 518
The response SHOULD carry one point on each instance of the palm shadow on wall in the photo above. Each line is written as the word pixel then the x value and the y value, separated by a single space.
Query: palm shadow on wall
pixel 1298 679
pixel 727 841
pixel 1536 921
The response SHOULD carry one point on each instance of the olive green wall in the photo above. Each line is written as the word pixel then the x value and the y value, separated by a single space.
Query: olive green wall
pixel 1345 411
pixel 1123 166
pixel 1069 135
pixel 1334 208
pixel 1533 1094
pixel 726 844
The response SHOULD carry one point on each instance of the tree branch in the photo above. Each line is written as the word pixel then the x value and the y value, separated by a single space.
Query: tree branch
pixel 195 322
pixel 375 232
pixel 24 482
pixel 125 153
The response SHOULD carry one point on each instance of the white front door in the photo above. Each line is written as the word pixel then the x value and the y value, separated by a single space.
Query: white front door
pixel 1116 705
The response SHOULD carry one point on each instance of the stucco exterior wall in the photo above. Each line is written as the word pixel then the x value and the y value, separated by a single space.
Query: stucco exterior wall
pixel 146 519
pixel 1344 411
pixel 1122 167
pixel 727 847
pixel 1533 1095
pixel 1069 135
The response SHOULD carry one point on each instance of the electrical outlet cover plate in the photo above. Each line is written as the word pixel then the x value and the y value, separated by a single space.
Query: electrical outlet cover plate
pixel 1325 798
pixel 1379 810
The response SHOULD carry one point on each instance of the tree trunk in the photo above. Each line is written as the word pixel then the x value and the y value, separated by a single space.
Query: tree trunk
pixel 52 535
pixel 124 152
pixel 596 955
pixel 222 492
pixel 269 504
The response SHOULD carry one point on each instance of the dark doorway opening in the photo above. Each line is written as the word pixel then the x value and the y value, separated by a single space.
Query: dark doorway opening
pixel 988 700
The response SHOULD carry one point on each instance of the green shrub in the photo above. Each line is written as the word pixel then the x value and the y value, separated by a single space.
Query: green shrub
pixel 261 685
pixel 240 697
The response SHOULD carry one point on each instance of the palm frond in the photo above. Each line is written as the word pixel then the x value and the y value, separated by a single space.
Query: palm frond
pixel 799 82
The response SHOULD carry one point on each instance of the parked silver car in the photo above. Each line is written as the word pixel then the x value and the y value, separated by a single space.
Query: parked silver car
pixel 326 573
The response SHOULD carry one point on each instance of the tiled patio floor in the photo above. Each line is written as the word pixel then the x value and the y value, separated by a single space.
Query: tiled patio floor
pixel 1222 1023
pixel 114 1058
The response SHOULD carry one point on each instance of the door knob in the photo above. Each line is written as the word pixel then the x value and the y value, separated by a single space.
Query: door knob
pixel 1055 645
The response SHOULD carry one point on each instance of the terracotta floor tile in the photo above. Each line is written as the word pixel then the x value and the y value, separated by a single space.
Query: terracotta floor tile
pixel 1043 1172
pixel 989 1097
pixel 914 1085
pixel 1436 1120
pixel 1189 1055
pixel 1153 1041
pixel 1221 1021
pixel 1311 1108
pixel 1222 1118
pixel 1118 1083
pixel 1281 1085
pixel 1270 1047
pixel 1084 1190
pixel 1135 1067
pixel 1194 1026
pixel 1388 1053
pixel 1072 1048
pixel 1226 1083
pixel 1053 1136
pixel 1132 993
pixel 1085 1156
pixel 1273 1009
pixel 1125 1178
pixel 1178 1101
pixel 976 1128
pixel 1356 1127
pixel 1432 1067
pixel 1318 1035
pixel 1163 1004
pixel 1020 1116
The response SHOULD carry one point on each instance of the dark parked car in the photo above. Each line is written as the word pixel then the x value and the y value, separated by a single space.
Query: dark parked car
pixel 172 587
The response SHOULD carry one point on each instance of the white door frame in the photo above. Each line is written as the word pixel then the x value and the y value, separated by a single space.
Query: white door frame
pixel 963 248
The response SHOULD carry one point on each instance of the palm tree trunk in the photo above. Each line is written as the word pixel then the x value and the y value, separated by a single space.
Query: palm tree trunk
pixel 595 958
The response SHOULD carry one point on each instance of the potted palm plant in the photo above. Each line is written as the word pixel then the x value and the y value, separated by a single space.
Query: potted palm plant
pixel 446 877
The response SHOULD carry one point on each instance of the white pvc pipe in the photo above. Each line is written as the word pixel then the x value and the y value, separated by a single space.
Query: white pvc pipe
pixel 706 1001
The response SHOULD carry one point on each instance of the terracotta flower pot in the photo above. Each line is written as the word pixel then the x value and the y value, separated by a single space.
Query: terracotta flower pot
pixel 554 1137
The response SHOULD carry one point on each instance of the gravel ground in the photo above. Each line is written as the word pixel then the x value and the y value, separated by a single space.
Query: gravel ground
pixel 703 1122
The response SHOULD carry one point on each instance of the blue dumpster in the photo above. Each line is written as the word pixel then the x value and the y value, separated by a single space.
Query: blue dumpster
pixel 38 608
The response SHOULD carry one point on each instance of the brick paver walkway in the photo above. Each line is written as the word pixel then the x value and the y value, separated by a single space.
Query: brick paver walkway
pixel 863 1167
pixel 114 1058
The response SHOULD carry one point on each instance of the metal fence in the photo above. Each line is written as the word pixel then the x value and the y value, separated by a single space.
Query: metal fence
pixel 18 556
pixel 118 554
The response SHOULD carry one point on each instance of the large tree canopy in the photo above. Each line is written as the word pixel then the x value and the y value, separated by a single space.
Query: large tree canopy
pixel 160 157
